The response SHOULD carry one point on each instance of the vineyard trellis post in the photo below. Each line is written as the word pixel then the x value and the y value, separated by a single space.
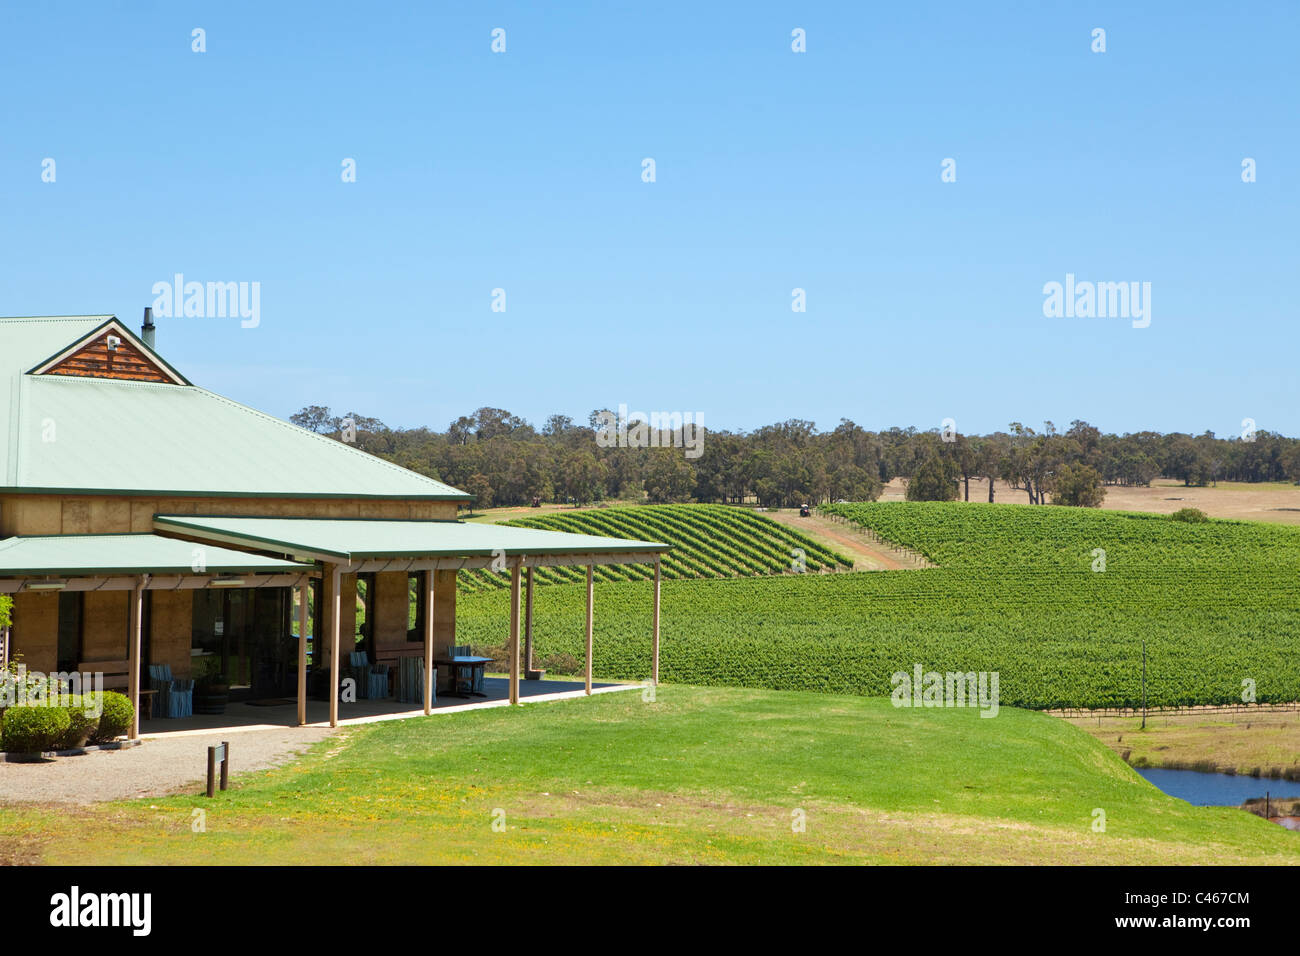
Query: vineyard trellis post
pixel 1144 683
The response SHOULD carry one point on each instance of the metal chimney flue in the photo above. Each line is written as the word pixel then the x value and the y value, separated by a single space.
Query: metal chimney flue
pixel 148 329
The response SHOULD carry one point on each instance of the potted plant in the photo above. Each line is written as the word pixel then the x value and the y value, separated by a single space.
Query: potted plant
pixel 211 692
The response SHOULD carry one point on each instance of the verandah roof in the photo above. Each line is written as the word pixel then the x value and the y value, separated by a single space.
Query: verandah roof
pixel 365 545
pixel 353 541
pixel 138 562
pixel 126 555
pixel 308 539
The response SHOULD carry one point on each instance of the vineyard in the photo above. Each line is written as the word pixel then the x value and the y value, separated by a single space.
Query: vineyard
pixel 1021 590
pixel 709 541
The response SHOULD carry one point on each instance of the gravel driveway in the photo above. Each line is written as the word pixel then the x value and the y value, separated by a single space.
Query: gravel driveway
pixel 160 765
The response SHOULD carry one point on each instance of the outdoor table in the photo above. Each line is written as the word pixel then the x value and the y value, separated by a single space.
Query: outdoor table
pixel 476 665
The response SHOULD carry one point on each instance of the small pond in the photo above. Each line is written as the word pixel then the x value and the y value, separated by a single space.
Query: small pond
pixel 1216 789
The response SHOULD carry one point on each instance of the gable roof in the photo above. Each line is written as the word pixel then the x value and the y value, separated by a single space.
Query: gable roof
pixel 66 434
pixel 75 359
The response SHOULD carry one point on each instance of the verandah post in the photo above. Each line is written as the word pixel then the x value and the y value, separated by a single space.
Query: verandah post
pixel 133 654
pixel 528 620
pixel 514 631
pixel 304 601
pixel 335 613
pixel 430 575
pixel 655 666
pixel 591 597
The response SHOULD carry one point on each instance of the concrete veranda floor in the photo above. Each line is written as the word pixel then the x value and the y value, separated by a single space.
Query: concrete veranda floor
pixel 245 717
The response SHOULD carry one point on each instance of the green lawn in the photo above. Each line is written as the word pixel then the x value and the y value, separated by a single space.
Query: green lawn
pixel 699 775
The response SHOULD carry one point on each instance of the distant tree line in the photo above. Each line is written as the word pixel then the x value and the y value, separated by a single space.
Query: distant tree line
pixel 504 460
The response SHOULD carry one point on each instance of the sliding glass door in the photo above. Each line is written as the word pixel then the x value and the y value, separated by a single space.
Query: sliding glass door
pixel 243 634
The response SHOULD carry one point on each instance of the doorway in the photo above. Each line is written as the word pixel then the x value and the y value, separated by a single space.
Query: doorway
pixel 244 634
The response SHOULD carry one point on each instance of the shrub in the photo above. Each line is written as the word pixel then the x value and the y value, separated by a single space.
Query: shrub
pixel 498 652
pixel 115 720
pixel 33 729
pixel 562 664
pixel 934 480
pixel 1191 515
pixel 82 726
pixel 1079 486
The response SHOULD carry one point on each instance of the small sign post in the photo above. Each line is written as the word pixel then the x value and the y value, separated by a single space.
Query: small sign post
pixel 219 754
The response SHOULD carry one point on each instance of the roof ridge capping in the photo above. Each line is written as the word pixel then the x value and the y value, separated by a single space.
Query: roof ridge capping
pixel 57 318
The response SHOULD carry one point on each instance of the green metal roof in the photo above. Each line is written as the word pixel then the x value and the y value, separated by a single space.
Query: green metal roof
pixel 84 555
pixel 67 434
pixel 351 539
pixel 29 340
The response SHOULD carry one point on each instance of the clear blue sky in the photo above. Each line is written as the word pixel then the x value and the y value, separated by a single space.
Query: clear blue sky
pixel 775 170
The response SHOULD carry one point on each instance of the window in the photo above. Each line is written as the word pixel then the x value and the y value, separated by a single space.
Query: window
pixel 71 605
pixel 365 614
pixel 146 631
pixel 417 590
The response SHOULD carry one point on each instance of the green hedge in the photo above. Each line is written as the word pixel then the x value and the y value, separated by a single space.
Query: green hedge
pixel 82 726
pixel 37 728
pixel 115 721
pixel 33 729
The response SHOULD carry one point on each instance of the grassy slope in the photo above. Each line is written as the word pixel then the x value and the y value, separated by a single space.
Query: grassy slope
pixel 697 776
